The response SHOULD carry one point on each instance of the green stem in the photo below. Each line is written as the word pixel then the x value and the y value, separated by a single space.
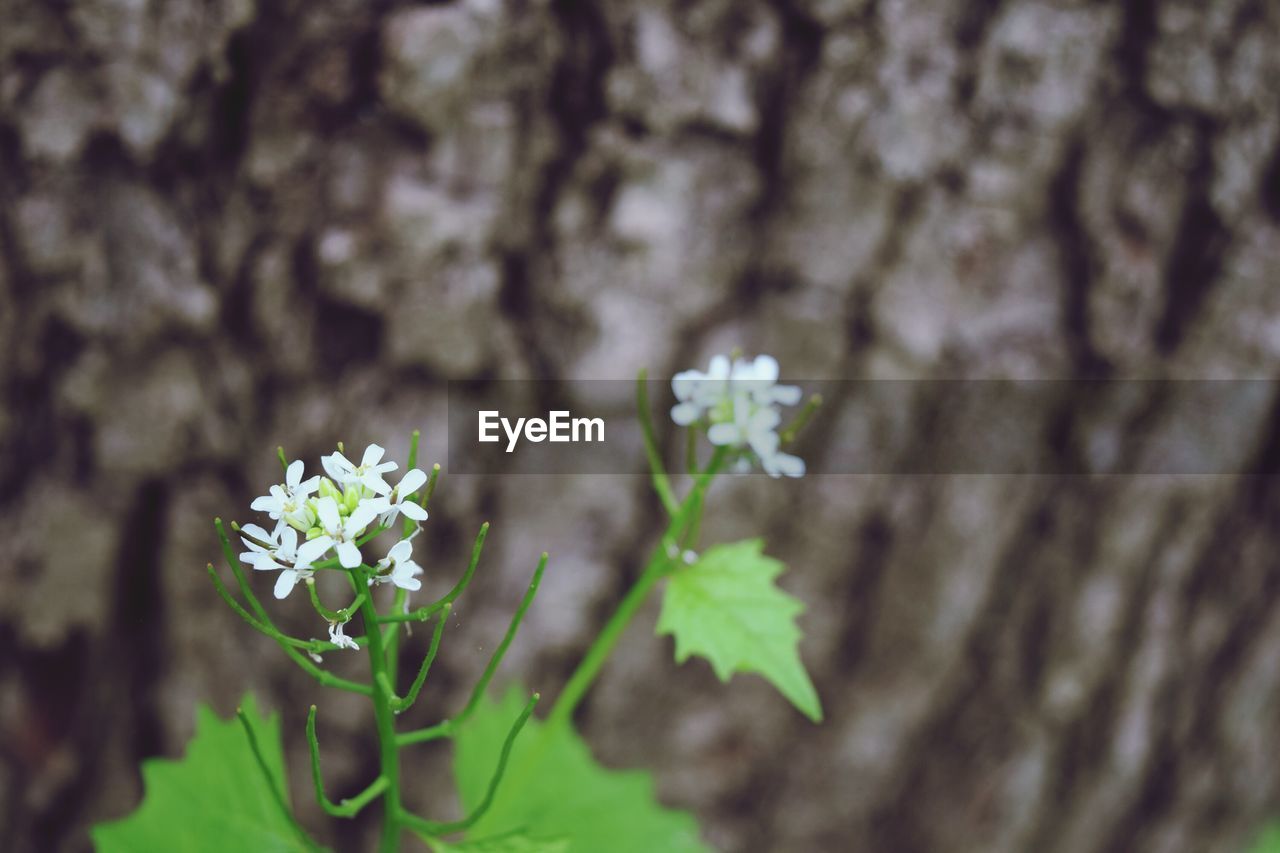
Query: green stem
pixel 276 793
pixel 384 719
pixel 348 807
pixel 412 695
pixel 477 693
pixel 661 484
pixel 659 564
pixel 333 615
pixel 434 828
pixel 424 613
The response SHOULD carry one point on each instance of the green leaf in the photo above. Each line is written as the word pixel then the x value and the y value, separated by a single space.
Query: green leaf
pixel 1268 841
pixel 726 608
pixel 554 790
pixel 215 798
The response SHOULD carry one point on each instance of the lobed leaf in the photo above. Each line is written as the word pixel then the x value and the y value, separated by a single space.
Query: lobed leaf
pixel 727 609
pixel 555 792
pixel 215 798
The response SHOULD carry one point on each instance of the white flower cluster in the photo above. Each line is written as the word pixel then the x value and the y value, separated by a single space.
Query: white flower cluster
pixel 332 513
pixel 739 401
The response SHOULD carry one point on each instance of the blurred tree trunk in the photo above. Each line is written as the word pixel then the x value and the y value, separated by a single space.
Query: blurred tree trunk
pixel 229 224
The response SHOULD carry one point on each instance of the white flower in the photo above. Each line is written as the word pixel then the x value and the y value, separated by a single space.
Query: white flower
pixel 698 391
pixel 287 503
pixel 399 568
pixel 340 639
pixel 283 554
pixel 759 378
pixel 740 400
pixel 752 425
pixel 368 473
pixel 712 392
pixel 400 500
pixel 343 532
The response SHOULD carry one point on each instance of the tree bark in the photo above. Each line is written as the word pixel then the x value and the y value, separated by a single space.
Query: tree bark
pixel 227 225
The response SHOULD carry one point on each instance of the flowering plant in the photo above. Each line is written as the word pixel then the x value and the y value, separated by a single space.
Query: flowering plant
pixel 539 792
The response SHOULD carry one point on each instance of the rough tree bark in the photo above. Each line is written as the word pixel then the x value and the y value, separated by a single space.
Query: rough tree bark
pixel 230 223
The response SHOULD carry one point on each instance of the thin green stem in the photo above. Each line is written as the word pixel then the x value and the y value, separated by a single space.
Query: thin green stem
pixel 348 807
pixel 234 562
pixel 661 483
pixel 328 615
pixel 791 430
pixel 326 678
pixel 434 828
pixel 412 695
pixel 477 693
pixel 424 613
pixel 276 794
pixel 660 562
pixel 316 646
pixel 444 728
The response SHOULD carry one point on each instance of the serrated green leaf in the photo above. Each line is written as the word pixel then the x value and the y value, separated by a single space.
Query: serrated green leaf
pixel 214 799
pixel 727 609
pixel 554 790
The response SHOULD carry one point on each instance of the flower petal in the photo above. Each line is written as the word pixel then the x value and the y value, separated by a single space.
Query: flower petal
pixel 787 395
pixel 312 550
pixel 327 509
pixel 401 551
pixel 284 583
pixel 685 413
pixel 372 455
pixel 336 466
pixel 293 474
pixel 413 510
pixel 791 466
pixel 348 555
pixel 412 480
pixel 364 513
pixel 408 582
pixel 723 434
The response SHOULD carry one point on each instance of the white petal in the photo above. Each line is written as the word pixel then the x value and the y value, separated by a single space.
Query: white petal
pixel 723 434
pixel 288 539
pixel 312 550
pixel 293 474
pixel 256 532
pixel 408 582
pixel 401 551
pixel 284 583
pixel 348 555
pixel 372 455
pixel 719 367
pixel 413 510
pixel 787 395
pixel 266 503
pixel 365 512
pixel 412 480
pixel 307 486
pixel 765 368
pixel 792 466
pixel 374 482
pixel 685 413
pixel 765 419
pixel 336 466
pixel 327 509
